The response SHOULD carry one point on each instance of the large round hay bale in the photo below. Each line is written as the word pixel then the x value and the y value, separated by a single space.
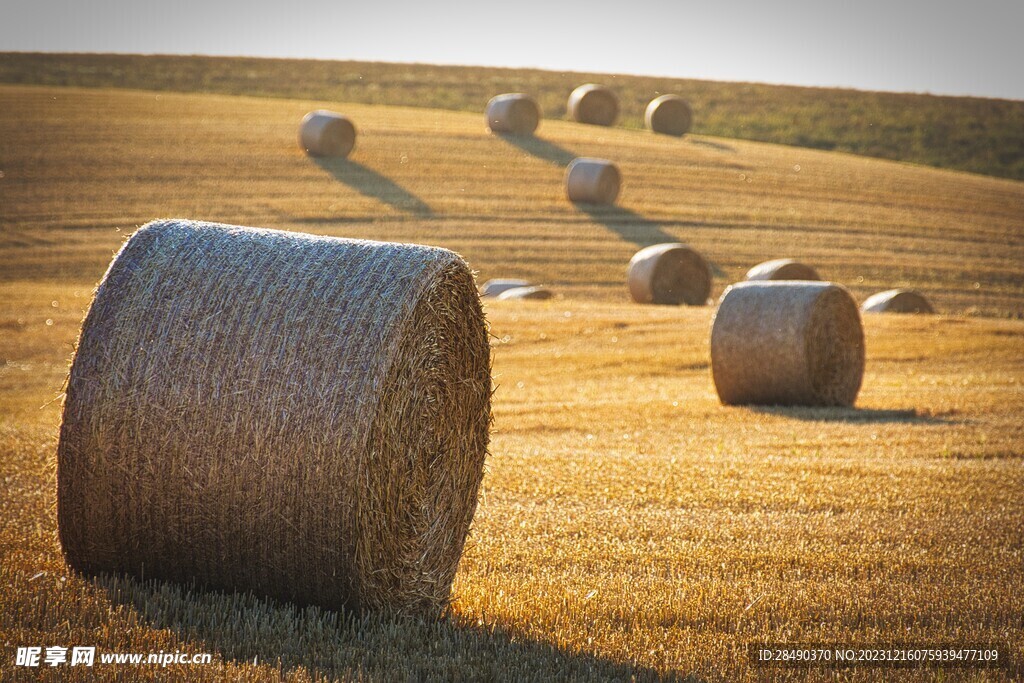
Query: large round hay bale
pixel 782 269
pixel 301 417
pixel 514 113
pixel 669 114
pixel 897 301
pixel 670 273
pixel 592 181
pixel 326 134
pixel 534 293
pixel 787 343
pixel 594 104
pixel 496 286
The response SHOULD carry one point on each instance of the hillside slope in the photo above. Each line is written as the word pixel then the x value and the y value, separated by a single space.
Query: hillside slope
pixel 82 168
pixel 968 134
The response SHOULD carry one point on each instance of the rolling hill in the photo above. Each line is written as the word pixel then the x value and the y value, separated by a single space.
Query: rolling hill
pixel 968 134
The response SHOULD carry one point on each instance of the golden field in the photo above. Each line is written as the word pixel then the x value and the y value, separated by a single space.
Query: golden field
pixel 629 525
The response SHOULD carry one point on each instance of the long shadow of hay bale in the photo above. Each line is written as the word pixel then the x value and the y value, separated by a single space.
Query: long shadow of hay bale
pixel 345 645
pixel 540 148
pixel 713 145
pixel 370 183
pixel 853 415
pixel 629 225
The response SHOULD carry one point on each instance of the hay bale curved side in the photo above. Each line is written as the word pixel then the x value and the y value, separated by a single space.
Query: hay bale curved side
pixel 897 301
pixel 670 115
pixel 534 293
pixel 301 417
pixel 670 273
pixel 782 269
pixel 593 104
pixel 787 343
pixel 514 113
pixel 325 133
pixel 592 181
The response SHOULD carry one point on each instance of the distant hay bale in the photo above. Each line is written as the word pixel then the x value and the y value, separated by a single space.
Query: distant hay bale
pixel 534 293
pixel 326 134
pixel 593 104
pixel 897 301
pixel 514 113
pixel 301 417
pixel 669 114
pixel 670 273
pixel 787 343
pixel 782 269
pixel 592 181
pixel 496 286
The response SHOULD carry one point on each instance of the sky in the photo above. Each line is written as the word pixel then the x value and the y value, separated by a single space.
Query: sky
pixel 951 48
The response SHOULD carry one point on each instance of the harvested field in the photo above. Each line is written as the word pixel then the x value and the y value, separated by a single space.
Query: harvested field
pixel 629 524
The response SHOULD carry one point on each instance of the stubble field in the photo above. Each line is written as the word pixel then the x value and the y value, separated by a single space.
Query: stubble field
pixel 629 525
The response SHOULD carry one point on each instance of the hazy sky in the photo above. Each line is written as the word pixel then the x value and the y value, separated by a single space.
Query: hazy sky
pixel 964 48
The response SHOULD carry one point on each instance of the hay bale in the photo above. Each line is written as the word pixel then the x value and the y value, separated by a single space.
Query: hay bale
pixel 670 273
pixel 782 269
pixel 326 134
pixel 301 417
pixel 514 113
pixel 534 293
pixel 787 343
pixel 897 301
pixel 593 104
pixel 592 181
pixel 669 114
pixel 493 288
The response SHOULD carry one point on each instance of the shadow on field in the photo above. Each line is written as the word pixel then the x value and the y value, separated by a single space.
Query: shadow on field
pixel 287 638
pixel 369 183
pixel 852 415
pixel 629 225
pixel 713 145
pixel 542 149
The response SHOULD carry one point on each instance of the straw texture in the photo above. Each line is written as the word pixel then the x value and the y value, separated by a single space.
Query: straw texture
pixel 669 114
pixel 326 134
pixel 301 417
pixel 787 343
pixel 670 273
pixel 897 301
pixel 592 181
pixel 782 269
pixel 534 293
pixel 496 286
pixel 593 104
pixel 514 113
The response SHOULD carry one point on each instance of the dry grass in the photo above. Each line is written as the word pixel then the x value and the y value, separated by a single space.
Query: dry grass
pixel 629 525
